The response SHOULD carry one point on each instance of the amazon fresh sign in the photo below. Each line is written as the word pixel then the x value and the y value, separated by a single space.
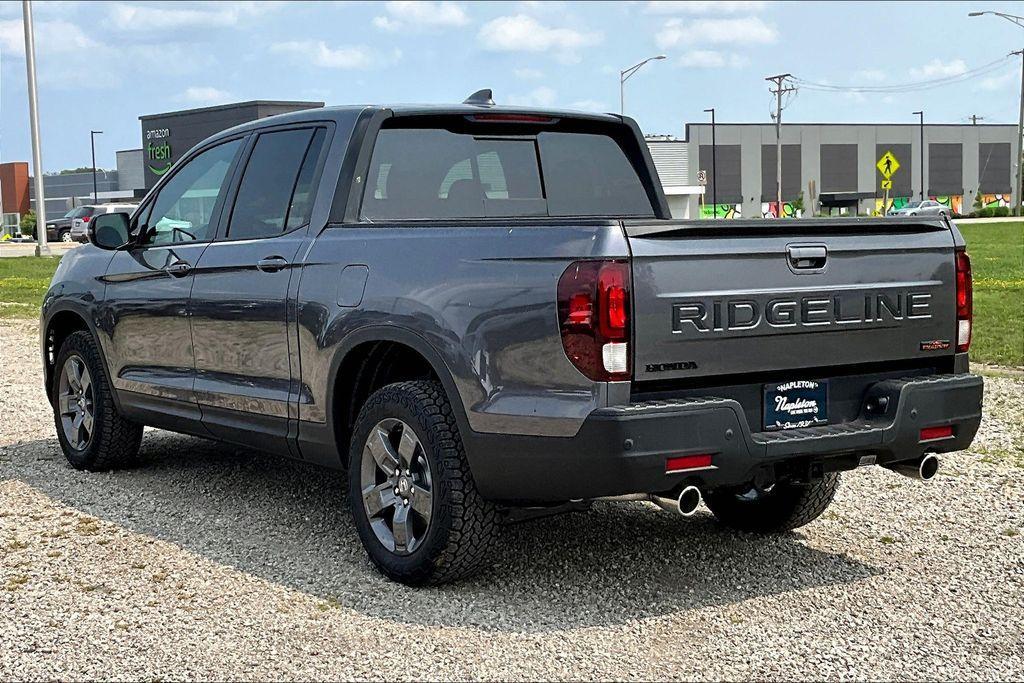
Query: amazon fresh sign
pixel 158 150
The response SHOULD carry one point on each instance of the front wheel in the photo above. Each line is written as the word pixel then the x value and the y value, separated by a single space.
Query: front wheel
pixel 412 496
pixel 787 506
pixel 92 434
pixel 65 236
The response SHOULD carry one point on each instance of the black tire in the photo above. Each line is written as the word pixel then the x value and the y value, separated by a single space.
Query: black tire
pixel 462 526
pixel 65 236
pixel 114 441
pixel 785 508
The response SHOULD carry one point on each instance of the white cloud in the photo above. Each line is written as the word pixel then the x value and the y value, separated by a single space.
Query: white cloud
pixel 542 96
pixel 710 59
pixel 589 105
pixel 402 14
pixel 704 6
pixel 526 74
pixel 937 69
pixel 1007 80
pixel 869 76
pixel 321 54
pixel 744 31
pixel 214 15
pixel 205 95
pixel 51 37
pixel 522 33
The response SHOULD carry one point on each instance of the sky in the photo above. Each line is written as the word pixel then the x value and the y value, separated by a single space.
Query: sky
pixel 101 65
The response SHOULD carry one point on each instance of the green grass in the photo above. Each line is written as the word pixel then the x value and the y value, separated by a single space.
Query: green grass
pixel 23 282
pixel 997 255
pixel 997 259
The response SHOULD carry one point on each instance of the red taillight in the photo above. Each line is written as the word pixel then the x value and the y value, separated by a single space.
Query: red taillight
pixel 85 219
pixel 933 433
pixel 593 316
pixel 964 301
pixel 687 462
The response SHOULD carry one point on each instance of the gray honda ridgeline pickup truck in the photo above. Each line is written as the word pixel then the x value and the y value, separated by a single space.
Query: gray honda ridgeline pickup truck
pixel 485 313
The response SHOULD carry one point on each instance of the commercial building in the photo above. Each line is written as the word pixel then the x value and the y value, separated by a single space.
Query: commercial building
pixel 832 167
pixel 672 160
pixel 165 137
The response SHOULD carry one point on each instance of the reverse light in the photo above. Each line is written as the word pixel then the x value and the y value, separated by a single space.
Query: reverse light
pixel 593 316
pixel 681 463
pixel 964 301
pixel 935 433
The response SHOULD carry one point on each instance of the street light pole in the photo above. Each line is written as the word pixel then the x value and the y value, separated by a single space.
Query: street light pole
pixel 624 76
pixel 42 249
pixel 1019 21
pixel 92 143
pixel 921 114
pixel 714 166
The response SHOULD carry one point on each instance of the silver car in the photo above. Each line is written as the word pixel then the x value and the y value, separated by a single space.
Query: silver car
pixel 80 222
pixel 928 207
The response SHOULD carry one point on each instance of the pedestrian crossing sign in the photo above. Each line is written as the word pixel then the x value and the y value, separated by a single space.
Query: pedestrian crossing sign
pixel 887 184
pixel 888 165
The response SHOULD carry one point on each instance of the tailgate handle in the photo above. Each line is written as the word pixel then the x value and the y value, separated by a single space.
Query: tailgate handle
pixel 807 258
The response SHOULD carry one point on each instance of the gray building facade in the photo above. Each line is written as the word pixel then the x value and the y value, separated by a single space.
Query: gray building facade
pixel 833 167
pixel 166 137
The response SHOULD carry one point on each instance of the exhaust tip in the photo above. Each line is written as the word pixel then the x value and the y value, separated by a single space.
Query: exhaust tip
pixel 929 467
pixel 689 500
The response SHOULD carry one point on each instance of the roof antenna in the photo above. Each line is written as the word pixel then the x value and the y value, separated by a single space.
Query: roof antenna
pixel 483 98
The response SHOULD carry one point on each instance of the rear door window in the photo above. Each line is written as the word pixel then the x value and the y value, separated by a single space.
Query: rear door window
pixel 276 188
pixel 434 173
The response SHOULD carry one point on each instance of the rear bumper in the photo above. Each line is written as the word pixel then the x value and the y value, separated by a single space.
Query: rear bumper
pixel 623 449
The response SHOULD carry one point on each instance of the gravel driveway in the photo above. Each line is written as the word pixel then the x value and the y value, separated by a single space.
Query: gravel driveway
pixel 212 562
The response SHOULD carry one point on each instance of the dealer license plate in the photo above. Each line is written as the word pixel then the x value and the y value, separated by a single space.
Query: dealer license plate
pixel 799 403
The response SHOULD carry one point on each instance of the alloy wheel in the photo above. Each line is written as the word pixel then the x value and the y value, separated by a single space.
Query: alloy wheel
pixel 76 403
pixel 396 485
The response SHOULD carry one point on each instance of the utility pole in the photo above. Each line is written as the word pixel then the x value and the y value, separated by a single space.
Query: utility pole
pixel 780 89
pixel 714 166
pixel 92 143
pixel 1020 134
pixel 42 249
pixel 921 114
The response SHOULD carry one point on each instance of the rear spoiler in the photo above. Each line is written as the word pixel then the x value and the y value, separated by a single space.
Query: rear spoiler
pixel 796 226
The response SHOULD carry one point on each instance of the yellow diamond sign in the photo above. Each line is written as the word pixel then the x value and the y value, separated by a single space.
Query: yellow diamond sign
pixel 888 165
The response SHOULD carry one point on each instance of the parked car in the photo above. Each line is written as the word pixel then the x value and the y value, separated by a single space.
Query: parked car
pixel 80 221
pixel 929 207
pixel 488 313
pixel 59 229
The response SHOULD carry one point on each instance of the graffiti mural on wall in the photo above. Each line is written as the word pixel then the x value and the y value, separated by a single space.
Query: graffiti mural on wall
pixel 955 202
pixel 771 210
pixel 724 211
pixel 991 200
pixel 895 204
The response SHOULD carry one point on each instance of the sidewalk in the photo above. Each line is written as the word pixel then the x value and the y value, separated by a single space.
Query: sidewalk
pixel 29 248
pixel 975 221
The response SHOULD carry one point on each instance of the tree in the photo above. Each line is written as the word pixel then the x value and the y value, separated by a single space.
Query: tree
pixel 979 204
pixel 28 223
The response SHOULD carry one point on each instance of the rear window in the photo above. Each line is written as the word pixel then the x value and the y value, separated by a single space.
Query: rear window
pixel 430 173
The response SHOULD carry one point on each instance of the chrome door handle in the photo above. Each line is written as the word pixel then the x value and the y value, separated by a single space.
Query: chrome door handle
pixel 272 264
pixel 179 268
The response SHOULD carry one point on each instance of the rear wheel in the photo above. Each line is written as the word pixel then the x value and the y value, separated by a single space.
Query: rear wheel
pixel 92 434
pixel 787 506
pixel 65 236
pixel 412 496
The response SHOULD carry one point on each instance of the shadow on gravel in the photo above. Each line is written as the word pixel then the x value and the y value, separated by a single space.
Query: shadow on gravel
pixel 287 522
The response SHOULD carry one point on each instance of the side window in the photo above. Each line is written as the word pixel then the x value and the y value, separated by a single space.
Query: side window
pixel 305 187
pixel 276 188
pixel 184 208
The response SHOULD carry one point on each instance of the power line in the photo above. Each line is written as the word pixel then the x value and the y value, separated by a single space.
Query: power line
pixel 984 69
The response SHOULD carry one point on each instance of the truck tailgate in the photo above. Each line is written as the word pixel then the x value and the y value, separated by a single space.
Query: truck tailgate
pixel 730 297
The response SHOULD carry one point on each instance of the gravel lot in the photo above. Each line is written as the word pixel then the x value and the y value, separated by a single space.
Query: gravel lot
pixel 212 562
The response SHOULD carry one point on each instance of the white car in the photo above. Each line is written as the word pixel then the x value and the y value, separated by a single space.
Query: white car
pixel 929 207
pixel 80 223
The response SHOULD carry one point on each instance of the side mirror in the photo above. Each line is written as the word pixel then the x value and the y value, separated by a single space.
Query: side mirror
pixel 109 230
